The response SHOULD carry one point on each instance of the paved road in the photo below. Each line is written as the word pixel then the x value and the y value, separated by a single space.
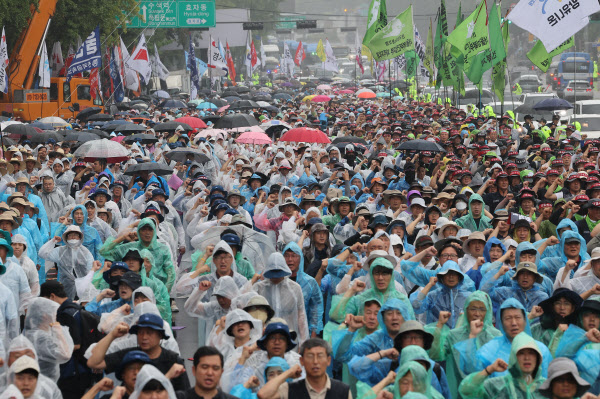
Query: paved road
pixel 186 338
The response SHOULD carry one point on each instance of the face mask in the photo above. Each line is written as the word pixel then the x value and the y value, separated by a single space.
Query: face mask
pixel 461 206
pixel 72 242
pixel 259 314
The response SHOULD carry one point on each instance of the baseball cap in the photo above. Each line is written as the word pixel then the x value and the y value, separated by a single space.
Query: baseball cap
pixel 149 320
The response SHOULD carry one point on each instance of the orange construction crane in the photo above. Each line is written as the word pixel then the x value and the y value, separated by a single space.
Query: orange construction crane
pixel 63 99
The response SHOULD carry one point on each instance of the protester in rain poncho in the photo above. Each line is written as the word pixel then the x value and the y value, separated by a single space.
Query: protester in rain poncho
pixel 26 264
pixel 284 295
pixel 444 346
pixel 72 259
pixel 103 228
pixel 556 250
pixel 224 338
pixel 415 374
pixel 147 374
pixel 553 264
pixel 13 276
pixel 91 237
pixel 474 358
pixel 53 198
pixel 471 221
pixel 24 187
pixel 561 308
pixel 52 342
pixel 518 383
pixel 63 178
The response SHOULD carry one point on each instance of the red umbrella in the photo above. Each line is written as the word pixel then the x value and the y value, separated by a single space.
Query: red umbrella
pixel 345 92
pixel 321 99
pixel 193 122
pixel 367 94
pixel 224 108
pixel 254 138
pixel 305 135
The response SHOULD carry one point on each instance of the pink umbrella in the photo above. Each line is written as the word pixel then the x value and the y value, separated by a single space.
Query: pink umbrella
pixel 243 129
pixel 323 87
pixel 345 92
pixel 254 138
pixel 224 108
pixel 211 133
pixel 118 139
pixel 321 99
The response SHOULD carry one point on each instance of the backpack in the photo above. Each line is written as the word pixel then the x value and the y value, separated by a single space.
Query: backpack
pixel 88 325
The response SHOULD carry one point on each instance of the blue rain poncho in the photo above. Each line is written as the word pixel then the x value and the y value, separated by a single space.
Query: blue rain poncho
pixel 577 347
pixel 445 340
pixel 443 298
pixel 556 250
pixel 313 297
pixel 513 384
pixel 474 359
pixel 552 264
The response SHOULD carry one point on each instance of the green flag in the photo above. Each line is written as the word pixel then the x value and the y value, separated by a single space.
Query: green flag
pixel 459 16
pixel 494 54
pixel 540 57
pixel 412 63
pixel 377 19
pixel 499 70
pixel 396 38
pixel 441 34
pixel 471 36
pixel 428 62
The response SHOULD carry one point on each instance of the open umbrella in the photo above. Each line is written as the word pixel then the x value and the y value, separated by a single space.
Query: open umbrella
pixel 244 104
pixel 85 114
pixel 143 138
pixel 321 99
pixel 81 137
pixel 232 99
pixel 44 136
pixel 184 154
pixel 112 151
pixel 112 125
pixel 218 102
pixel 305 135
pixel 224 108
pixel 552 104
pixel 210 133
pixel 253 138
pixel 43 126
pixel 235 120
pixel 150 167
pixel 161 94
pixel 282 96
pixel 129 128
pixel 171 126
pixel 420 145
pixel 323 87
pixel 191 121
pixel 100 117
pixel 19 129
pixel 100 133
pixel 367 94
pixel 172 104
pixel 206 105
pixel 349 140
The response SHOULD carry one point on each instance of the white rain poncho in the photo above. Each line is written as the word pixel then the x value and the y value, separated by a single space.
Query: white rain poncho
pixel 28 266
pixel 54 201
pixel 9 315
pixel 100 225
pixel 16 280
pixel 285 298
pixel 11 392
pixel 73 260
pixel 225 342
pixel 147 374
pixel 109 321
pixel 46 388
pixel 63 180
pixel 211 311
pixel 52 342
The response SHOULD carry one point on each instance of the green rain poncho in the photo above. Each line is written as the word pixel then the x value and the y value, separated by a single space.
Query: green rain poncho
pixel 355 305
pixel 244 267
pixel 158 288
pixel 468 222
pixel 162 268
pixel 444 341
pixel 421 380
pixel 513 385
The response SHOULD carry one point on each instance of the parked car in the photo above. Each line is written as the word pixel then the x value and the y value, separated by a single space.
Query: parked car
pixel 590 124
pixel 587 107
pixel 529 83
pixel 577 90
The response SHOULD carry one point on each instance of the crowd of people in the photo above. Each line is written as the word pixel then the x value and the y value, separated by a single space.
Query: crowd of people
pixel 427 252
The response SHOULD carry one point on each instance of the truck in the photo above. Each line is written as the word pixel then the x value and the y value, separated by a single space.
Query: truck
pixel 63 99
pixel 575 66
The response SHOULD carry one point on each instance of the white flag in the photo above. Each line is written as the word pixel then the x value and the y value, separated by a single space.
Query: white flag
pixel 288 60
pixel 140 60
pixel 57 61
pixel 3 63
pixel 330 63
pixel 248 58
pixel 216 59
pixel 44 67
pixel 420 50
pixel 158 67
pixel 263 55
pixel 132 80
pixel 553 22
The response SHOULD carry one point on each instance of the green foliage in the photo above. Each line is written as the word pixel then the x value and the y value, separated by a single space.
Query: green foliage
pixel 13 17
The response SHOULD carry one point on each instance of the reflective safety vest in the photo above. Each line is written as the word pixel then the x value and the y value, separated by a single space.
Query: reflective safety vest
pixel 518 91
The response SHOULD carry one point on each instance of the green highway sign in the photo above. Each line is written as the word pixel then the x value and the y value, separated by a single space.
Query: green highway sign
pixel 174 14
pixel 288 21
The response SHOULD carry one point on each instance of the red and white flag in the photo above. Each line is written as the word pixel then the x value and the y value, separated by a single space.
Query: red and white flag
pixel 131 79
pixel 300 54
pixel 56 59
pixel 230 64
pixel 358 45
pixel 253 56
pixel 140 60
pixel 95 83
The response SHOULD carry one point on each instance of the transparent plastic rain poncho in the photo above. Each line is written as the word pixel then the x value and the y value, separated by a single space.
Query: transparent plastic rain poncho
pixel 53 343
pixel 148 373
pixel 54 201
pixel 286 298
pixel 225 342
pixel 421 383
pixel 73 260
pixel 443 346
pixel 9 314
pixel 11 392
pixel 28 265
pixel 474 358
pixel 46 388
pixel 16 280
pixel 577 347
pixel 514 384
pixel 109 321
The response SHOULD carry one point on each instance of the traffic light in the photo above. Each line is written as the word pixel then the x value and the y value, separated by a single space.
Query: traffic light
pixel 307 24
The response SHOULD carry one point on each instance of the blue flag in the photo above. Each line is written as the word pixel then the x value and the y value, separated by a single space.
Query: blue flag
pixel 193 67
pixel 201 65
pixel 115 76
pixel 88 55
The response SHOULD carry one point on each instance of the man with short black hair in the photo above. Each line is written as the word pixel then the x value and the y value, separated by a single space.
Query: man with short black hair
pixel 316 357
pixel 207 369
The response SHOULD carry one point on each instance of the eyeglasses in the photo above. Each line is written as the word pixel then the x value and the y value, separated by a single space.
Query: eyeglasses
pixel 311 356
pixel 447 256
pixel 474 309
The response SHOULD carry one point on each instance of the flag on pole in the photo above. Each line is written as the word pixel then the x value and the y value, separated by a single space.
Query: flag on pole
pixel 70 55
pixel 396 38
pixel 158 68
pixel 330 60
pixel 140 60
pixel 115 76
pixel 300 54
pixel 471 36
pixel 321 51
pixel 192 66
pixel 88 56
pixel 94 83
pixel 358 49
pixel 498 72
pixel 553 22
pixel 428 62
pixel 216 59
pixel 376 20
pixel 230 64
pixel 3 63
pixel 253 55
pixel 287 63
pixel 57 62
pixel 44 67
pixel 541 58
pixel 131 79
pixel 263 55
pixel 248 58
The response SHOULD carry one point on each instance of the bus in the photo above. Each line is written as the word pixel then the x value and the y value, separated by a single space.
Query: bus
pixel 575 66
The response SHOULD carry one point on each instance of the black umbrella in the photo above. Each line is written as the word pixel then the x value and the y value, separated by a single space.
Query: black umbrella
pixel 112 125
pixel 358 147
pixel 232 99
pixel 143 138
pixel 525 109
pixel 101 134
pixel 124 105
pixel 244 104
pixel 129 128
pixel 235 120
pixel 271 108
pixel 420 145
pixel 20 129
pixel 552 104
pixel 85 114
pixel 205 92
pixel 100 117
pixel 211 118
pixel 183 154
pixel 171 126
pixel 81 137
pixel 349 140
pixel 241 89
pixel 151 167
pixel 229 92
pixel 43 137
pixel 218 102
pixel 282 96
pixel 245 96
pixel 172 104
